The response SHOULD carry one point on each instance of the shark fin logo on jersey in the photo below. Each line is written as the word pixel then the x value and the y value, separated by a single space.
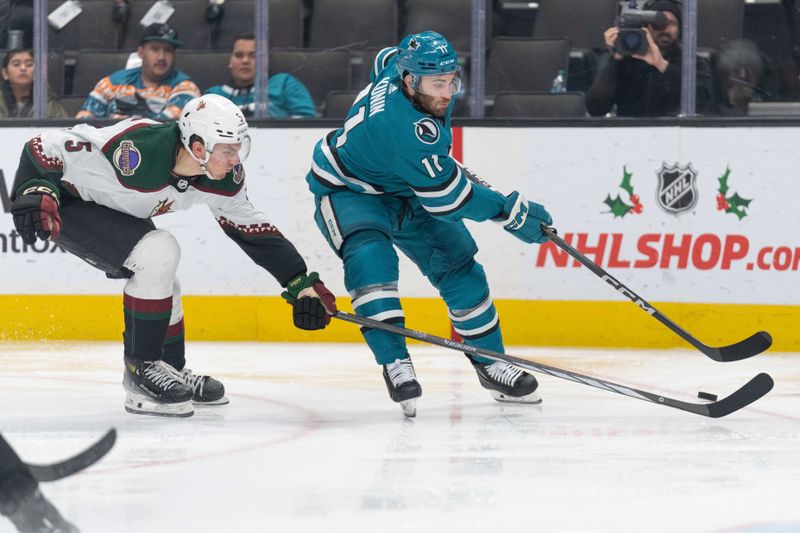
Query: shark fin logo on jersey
pixel 427 130
pixel 238 173
pixel 127 158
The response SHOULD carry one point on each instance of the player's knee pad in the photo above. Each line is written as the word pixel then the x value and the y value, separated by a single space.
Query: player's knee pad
pixel 463 286
pixel 369 259
pixel 153 261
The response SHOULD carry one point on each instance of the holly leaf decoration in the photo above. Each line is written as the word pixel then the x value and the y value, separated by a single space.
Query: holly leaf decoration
pixel 618 207
pixel 626 181
pixel 723 181
pixel 737 205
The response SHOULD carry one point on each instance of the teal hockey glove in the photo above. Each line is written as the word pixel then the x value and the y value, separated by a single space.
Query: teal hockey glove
pixel 312 302
pixel 523 219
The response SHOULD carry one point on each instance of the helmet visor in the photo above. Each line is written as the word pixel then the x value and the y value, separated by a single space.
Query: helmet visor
pixel 440 85
pixel 230 154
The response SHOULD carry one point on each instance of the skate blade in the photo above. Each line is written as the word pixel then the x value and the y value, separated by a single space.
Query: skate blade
pixel 140 405
pixel 222 401
pixel 409 407
pixel 532 398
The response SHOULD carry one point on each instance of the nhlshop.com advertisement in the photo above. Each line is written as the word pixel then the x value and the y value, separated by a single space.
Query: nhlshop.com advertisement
pixel 685 215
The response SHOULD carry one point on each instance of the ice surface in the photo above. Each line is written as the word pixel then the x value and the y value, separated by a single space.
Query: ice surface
pixel 311 442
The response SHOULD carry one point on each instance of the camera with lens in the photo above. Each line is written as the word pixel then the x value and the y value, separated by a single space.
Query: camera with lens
pixel 632 39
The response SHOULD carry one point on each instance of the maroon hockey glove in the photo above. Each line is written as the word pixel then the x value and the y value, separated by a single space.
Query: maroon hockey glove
pixel 35 214
pixel 312 302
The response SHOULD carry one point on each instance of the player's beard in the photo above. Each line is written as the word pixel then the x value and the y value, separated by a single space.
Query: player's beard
pixel 428 104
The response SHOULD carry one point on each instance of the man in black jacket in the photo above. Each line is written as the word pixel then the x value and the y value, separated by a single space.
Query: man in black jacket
pixel 647 85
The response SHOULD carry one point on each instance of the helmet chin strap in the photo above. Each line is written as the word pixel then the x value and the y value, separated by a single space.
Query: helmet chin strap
pixel 203 163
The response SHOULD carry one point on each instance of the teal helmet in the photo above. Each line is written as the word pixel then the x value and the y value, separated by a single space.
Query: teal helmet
pixel 425 54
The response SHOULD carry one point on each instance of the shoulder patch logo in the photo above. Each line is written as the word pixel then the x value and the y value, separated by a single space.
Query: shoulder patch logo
pixel 238 173
pixel 427 130
pixel 127 158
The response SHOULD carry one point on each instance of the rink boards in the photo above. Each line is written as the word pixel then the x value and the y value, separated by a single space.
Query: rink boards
pixel 700 221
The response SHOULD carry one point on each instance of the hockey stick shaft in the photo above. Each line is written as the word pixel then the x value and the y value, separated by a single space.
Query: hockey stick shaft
pixel 749 347
pixel 73 465
pixel 750 392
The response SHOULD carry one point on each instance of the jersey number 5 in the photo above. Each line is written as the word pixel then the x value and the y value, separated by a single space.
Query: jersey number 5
pixel 71 146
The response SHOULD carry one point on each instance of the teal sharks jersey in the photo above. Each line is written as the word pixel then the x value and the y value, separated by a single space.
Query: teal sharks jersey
pixel 389 146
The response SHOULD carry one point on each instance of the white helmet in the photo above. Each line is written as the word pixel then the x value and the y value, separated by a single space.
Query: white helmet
pixel 216 120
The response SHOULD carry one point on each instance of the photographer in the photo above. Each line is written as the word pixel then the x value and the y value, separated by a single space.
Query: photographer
pixel 647 84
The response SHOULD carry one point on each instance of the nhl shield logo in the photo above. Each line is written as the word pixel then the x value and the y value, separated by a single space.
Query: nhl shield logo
pixel 677 188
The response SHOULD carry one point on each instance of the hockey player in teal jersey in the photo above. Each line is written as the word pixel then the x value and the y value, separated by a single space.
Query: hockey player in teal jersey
pixel 386 179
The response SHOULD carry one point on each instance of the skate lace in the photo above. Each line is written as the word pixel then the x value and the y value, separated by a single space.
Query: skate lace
pixel 160 375
pixel 401 371
pixel 503 373
pixel 196 382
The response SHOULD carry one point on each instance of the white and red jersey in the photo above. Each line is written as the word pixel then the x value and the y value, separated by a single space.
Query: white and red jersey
pixel 128 167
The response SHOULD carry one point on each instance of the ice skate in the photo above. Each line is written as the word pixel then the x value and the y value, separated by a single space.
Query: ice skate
pixel 205 389
pixel 507 383
pixel 155 388
pixel 401 381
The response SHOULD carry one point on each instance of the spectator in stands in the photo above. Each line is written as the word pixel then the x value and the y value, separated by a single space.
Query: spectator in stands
pixel 647 85
pixel 17 100
pixel 739 73
pixel 288 97
pixel 155 90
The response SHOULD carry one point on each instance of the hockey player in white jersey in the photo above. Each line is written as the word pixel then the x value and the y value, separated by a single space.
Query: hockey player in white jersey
pixel 94 191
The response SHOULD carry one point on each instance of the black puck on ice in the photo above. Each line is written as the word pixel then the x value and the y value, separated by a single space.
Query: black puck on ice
pixel 707 396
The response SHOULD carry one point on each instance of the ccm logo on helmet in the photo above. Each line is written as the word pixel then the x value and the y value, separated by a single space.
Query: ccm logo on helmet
pixel 427 130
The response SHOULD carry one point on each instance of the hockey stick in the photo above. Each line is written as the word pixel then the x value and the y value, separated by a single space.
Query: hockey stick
pixel 752 345
pixel 747 394
pixel 73 465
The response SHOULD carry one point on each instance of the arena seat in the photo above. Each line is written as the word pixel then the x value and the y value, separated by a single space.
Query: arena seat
pixel 321 71
pixel 719 21
pixel 92 28
pixel 205 67
pixel 581 21
pixel 520 64
pixel 92 65
pixel 353 24
pixel 338 103
pixel 538 105
pixel 451 18
pixel 189 20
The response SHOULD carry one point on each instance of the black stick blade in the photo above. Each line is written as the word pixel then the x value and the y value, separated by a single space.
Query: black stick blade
pixel 75 464
pixel 750 392
pixel 752 345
